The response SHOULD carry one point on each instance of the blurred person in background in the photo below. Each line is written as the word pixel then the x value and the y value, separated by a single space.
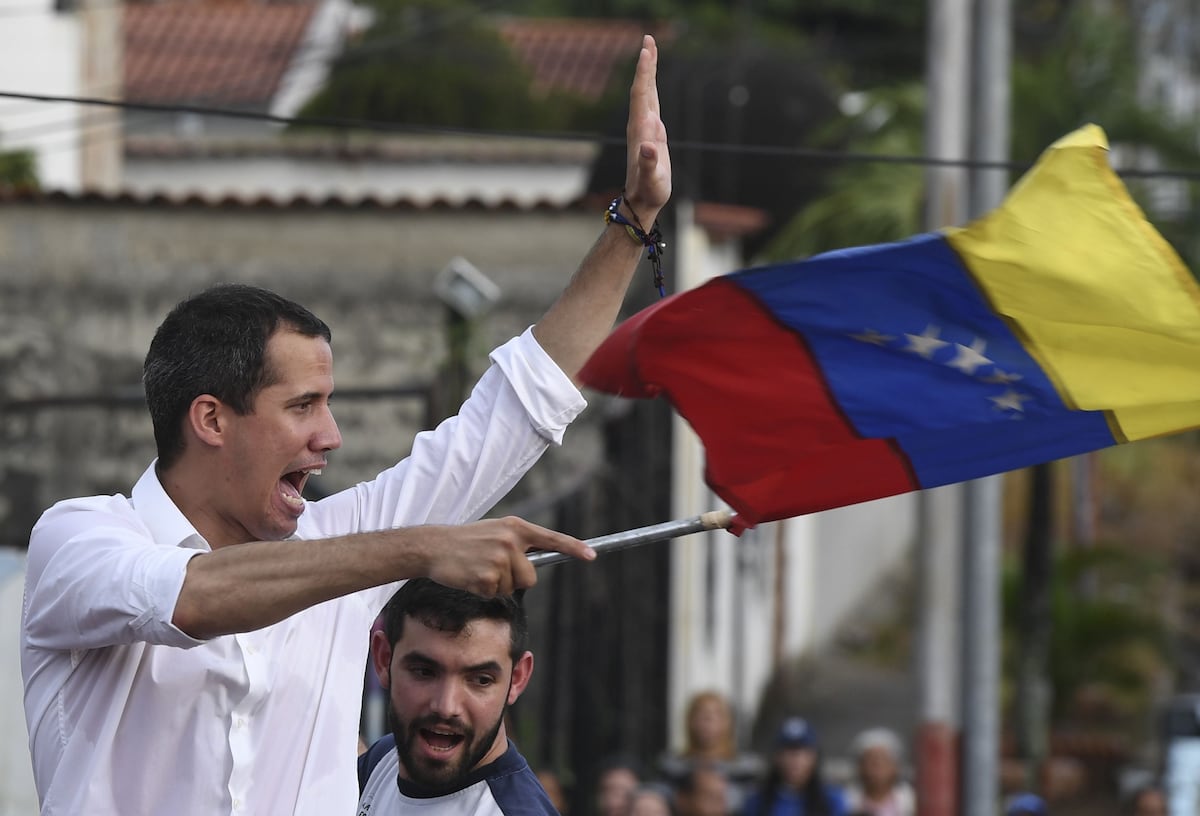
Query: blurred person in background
pixel 651 799
pixel 1148 800
pixel 1026 804
pixel 795 785
pixel 703 791
pixel 618 777
pixel 554 789
pixel 878 788
pixel 712 741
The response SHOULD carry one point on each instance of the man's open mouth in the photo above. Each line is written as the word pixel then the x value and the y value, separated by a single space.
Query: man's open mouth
pixel 291 485
pixel 441 740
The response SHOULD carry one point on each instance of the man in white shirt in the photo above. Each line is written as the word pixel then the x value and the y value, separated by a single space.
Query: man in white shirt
pixel 199 646
pixel 452 663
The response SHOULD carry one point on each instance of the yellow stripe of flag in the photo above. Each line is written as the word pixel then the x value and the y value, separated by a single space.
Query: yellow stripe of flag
pixel 1095 293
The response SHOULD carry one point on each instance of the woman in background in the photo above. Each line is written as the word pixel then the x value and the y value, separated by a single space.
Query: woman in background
pixel 712 742
pixel 879 789
pixel 794 785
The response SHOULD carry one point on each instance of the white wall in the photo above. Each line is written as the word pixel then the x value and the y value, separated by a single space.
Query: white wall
pixel 855 548
pixel 40 54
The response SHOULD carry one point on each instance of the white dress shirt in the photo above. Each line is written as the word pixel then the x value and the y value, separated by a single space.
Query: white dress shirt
pixel 128 715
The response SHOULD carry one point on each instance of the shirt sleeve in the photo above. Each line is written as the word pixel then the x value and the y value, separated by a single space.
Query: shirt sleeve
pixel 96 578
pixel 458 471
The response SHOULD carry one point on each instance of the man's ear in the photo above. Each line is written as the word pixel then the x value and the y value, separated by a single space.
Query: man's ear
pixel 522 672
pixel 381 658
pixel 206 419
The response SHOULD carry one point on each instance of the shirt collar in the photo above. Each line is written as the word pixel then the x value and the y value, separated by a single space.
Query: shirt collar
pixel 166 522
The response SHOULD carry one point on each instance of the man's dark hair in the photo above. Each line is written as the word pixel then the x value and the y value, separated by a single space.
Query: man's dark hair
pixel 452 610
pixel 215 343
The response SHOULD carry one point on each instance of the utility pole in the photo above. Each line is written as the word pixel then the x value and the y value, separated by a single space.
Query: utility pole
pixel 940 512
pixel 990 116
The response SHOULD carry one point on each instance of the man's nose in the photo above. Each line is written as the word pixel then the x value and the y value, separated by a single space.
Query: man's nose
pixel 328 437
pixel 447 700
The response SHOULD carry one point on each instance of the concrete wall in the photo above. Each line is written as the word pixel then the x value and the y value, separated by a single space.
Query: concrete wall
pixel 82 288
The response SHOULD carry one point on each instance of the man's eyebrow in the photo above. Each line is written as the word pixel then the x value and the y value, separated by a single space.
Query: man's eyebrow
pixel 487 666
pixel 416 658
pixel 307 396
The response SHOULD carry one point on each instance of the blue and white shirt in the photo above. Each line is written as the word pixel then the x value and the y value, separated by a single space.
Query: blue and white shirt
pixel 506 787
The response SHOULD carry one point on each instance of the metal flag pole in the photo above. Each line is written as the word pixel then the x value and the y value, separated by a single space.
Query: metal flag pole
pixel 712 520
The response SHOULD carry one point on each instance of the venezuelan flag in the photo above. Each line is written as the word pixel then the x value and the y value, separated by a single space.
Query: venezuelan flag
pixel 1057 324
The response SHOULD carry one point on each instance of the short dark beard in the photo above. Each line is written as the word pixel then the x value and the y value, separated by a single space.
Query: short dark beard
pixel 454 776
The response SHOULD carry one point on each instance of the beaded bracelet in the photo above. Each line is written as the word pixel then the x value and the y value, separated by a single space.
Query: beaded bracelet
pixel 651 240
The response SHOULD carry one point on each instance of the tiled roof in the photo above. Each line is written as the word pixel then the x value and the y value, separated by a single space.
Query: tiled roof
pixel 10 195
pixel 227 52
pixel 235 52
pixel 576 56
pixel 722 221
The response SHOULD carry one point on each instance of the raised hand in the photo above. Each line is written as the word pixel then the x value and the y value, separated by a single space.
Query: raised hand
pixel 648 162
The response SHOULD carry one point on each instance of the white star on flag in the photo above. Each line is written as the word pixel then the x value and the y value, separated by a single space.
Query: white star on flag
pixel 970 357
pixel 1000 377
pixel 1011 400
pixel 925 343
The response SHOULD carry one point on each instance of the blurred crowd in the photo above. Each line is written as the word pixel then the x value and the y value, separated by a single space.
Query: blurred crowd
pixel 712 777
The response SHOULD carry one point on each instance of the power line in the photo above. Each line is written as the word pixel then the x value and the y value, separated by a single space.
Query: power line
pixel 343 124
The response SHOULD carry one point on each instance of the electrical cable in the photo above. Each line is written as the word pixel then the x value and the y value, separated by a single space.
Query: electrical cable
pixel 780 151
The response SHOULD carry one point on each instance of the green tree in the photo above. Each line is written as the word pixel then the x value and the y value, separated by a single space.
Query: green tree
pixel 1087 71
pixel 1081 68
pixel 437 63
pixel 867 41
pixel 18 168
pixel 1109 648
pixel 867 202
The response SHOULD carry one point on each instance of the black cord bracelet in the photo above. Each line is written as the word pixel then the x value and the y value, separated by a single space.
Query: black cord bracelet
pixel 652 240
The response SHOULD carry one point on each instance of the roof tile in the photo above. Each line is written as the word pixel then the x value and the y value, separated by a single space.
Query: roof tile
pixel 231 52
pixel 576 56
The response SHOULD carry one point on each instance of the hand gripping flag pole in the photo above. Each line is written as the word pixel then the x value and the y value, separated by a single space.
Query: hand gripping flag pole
pixel 712 520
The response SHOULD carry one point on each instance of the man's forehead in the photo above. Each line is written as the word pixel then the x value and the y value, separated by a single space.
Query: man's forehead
pixel 292 357
pixel 483 638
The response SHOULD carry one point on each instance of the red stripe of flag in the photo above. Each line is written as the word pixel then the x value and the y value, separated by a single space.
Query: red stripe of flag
pixel 730 364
